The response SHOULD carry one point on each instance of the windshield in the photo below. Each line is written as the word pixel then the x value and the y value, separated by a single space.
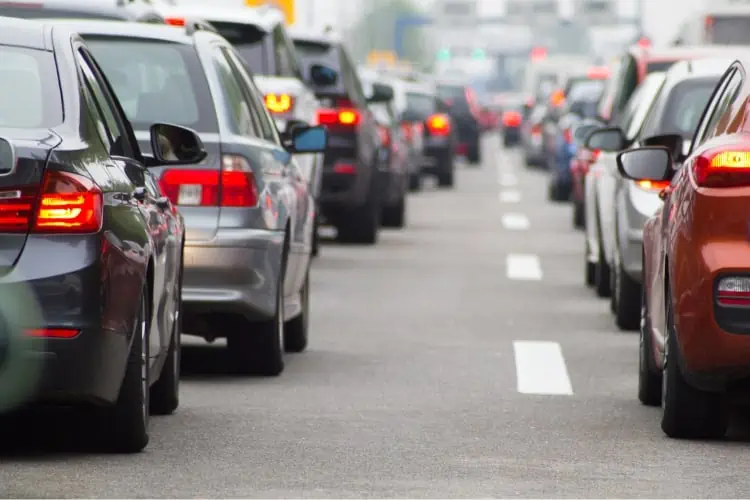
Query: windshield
pixel 157 82
pixel 451 92
pixel 29 89
pixel 248 40
pixel 423 104
pixel 733 30
pixel 586 90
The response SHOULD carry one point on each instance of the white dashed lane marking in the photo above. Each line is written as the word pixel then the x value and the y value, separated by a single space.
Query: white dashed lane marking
pixel 523 267
pixel 515 222
pixel 540 368
pixel 506 179
pixel 509 196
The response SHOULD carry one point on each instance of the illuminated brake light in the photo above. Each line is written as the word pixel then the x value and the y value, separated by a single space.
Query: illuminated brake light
pixel 598 73
pixel 536 130
pixel 385 135
pixel 647 185
pixel 52 333
pixel 174 21
pixel 557 98
pixel 568 136
pixel 233 186
pixel 69 203
pixel 733 291
pixel 338 117
pixel 279 103
pixel 439 124
pixel 717 168
pixel 16 209
pixel 512 119
pixel 407 130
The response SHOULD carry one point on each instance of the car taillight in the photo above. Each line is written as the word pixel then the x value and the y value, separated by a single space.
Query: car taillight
pixel 721 168
pixel 346 117
pixel 647 185
pixel 174 21
pixel 16 209
pixel 279 103
pixel 407 129
pixel 512 119
pixel 232 186
pixel 568 136
pixel 439 124
pixel 52 333
pixel 418 129
pixel 385 135
pixel 536 130
pixel 733 291
pixel 68 203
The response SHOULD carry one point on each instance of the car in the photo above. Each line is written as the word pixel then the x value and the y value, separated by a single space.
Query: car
pixel 695 348
pixel 350 192
pixel 598 251
pixel 532 145
pixel 633 67
pixel 260 36
pixel 716 25
pixel 580 164
pixel 248 210
pixel 624 206
pixel 395 172
pixel 140 10
pixel 463 110
pixel 541 75
pixel 425 115
pixel 75 185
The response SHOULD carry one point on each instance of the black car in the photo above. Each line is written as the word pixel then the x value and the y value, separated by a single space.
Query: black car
pixel 464 112
pixel 351 192
pixel 114 10
pixel 87 232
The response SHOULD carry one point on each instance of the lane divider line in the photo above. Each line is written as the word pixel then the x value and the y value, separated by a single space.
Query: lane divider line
pixel 540 369
pixel 507 179
pixel 509 196
pixel 523 267
pixel 515 222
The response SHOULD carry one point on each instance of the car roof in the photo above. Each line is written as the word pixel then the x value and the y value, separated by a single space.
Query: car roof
pixel 111 8
pixel 308 35
pixel 682 52
pixel 22 33
pixel 699 67
pixel 175 34
pixel 263 17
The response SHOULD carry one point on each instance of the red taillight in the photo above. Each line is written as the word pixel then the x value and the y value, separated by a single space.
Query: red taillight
pixel 407 129
pixel 233 186
pixel 346 117
pixel 598 73
pixel 439 124
pixel 733 291
pixel 385 135
pixel 720 168
pixel 344 168
pixel 52 333
pixel 568 136
pixel 69 203
pixel 279 103
pixel 418 129
pixel 174 21
pixel 536 130
pixel 16 209
pixel 647 185
pixel 512 119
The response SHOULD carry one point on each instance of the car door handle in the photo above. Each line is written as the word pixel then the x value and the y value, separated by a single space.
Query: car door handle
pixel 139 193
pixel 162 202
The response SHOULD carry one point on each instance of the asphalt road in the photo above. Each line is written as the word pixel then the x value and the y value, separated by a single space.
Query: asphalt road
pixel 461 357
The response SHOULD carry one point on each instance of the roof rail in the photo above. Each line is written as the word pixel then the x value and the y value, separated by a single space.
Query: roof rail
pixel 193 25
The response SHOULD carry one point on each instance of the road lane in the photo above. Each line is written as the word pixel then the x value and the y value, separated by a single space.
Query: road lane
pixel 410 385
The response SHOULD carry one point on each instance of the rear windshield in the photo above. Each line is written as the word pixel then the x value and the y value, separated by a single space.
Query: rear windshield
pixel 424 104
pixel 655 66
pixel 733 30
pixel 157 81
pixel 249 41
pixel 451 92
pixel 316 52
pixel 29 89
pixel 586 90
pixel 31 11
pixel 679 112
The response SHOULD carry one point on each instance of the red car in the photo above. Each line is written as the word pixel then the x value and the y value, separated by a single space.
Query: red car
pixel 695 324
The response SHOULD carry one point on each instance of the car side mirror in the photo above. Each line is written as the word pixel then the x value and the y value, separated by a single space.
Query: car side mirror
pixel 380 93
pixel 610 139
pixel 649 163
pixel 176 145
pixel 323 76
pixel 303 140
pixel 673 142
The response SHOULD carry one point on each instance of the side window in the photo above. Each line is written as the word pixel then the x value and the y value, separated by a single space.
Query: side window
pixel 120 142
pixel 716 118
pixel 95 114
pixel 237 107
pixel 627 85
pixel 254 98
pixel 351 80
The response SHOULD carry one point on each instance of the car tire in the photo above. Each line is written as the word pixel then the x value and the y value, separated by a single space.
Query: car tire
pixel 627 302
pixel 415 183
pixel 395 216
pixel 578 215
pixel 589 269
pixel 508 142
pixel 125 424
pixel 296 329
pixel 612 289
pixel 474 155
pixel 315 250
pixel 165 393
pixel 556 191
pixel 649 377
pixel 687 413
pixel 361 226
pixel 257 348
pixel 602 274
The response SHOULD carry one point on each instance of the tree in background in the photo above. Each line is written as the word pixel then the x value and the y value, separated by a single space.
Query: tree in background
pixel 375 31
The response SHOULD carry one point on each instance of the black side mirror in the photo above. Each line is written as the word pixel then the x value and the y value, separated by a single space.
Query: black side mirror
pixel 610 139
pixel 292 124
pixel 380 93
pixel 650 163
pixel 673 142
pixel 302 140
pixel 176 145
pixel 323 76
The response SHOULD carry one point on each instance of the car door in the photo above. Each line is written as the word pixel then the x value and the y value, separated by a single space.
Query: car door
pixel 127 166
pixel 292 190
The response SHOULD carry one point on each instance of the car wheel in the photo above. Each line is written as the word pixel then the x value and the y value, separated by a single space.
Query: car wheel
pixel 165 393
pixel 578 215
pixel 125 424
pixel 687 412
pixel 602 274
pixel 361 226
pixel 474 154
pixel 395 216
pixel 649 377
pixel 589 269
pixel 296 329
pixel 315 251
pixel 628 301
pixel 612 288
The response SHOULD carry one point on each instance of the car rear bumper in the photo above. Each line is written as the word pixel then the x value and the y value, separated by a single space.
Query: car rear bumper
pixel 234 273
pixel 344 188
pixel 437 150
pixel 512 134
